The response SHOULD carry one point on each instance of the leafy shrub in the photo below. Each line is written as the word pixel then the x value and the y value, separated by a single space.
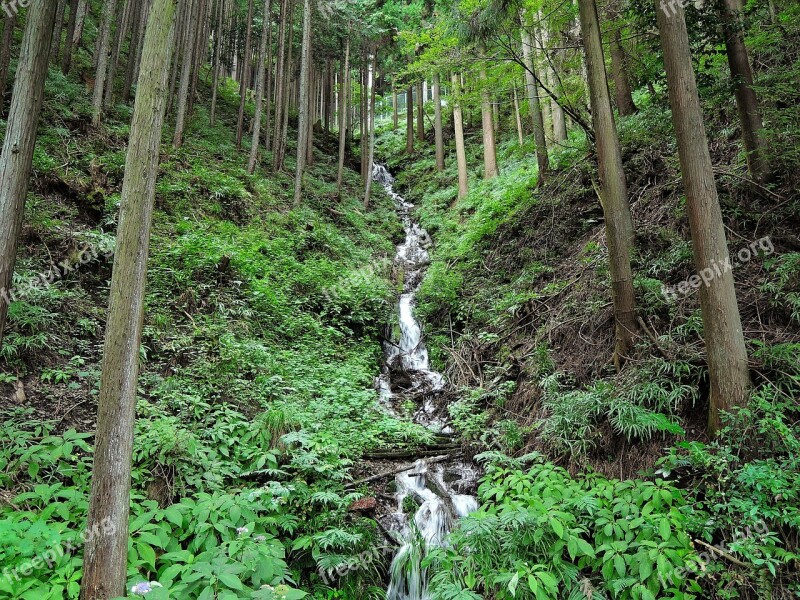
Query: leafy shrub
pixel 542 534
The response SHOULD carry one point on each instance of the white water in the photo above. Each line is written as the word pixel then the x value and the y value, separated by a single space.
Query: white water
pixel 434 518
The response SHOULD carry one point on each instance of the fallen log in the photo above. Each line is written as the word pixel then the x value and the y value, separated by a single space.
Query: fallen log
pixel 396 470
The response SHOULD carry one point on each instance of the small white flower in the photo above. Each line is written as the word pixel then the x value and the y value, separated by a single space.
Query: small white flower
pixel 242 530
pixel 144 587
pixel 260 538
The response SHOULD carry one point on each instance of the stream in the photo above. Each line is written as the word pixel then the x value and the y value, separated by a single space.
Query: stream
pixel 437 490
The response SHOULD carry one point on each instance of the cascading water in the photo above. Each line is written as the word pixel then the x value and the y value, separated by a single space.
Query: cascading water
pixel 435 489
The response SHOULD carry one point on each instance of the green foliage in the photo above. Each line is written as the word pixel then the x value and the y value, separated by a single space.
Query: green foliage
pixel 643 401
pixel 542 534
pixel 747 489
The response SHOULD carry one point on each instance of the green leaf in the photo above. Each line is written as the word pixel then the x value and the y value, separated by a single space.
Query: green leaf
pixel 664 529
pixel 585 548
pixel 174 516
pixel 557 526
pixel 231 581
pixel 147 554
pixel 619 565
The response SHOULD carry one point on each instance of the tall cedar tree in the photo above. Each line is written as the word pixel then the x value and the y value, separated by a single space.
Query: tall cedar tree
pixel 106 556
pixel 17 156
pixel 722 325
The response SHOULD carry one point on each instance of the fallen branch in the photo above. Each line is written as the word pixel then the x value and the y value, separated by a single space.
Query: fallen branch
pixel 716 550
pixel 408 453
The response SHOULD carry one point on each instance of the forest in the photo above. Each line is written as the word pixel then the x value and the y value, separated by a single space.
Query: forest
pixel 400 299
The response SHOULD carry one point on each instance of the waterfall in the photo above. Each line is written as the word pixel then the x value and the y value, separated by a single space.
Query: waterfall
pixel 435 489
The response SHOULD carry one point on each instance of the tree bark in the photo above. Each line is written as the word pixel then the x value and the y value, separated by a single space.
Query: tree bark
pixel 280 85
pixel 395 111
pixel 66 56
pixel 518 118
pixel 613 187
pixel 746 101
pixel 343 112
pixel 186 72
pixel 103 49
pixel 410 120
pixel 245 82
pixel 260 84
pixel 217 62
pixel 135 49
pixel 371 128
pixel 280 151
pixel 458 122
pixel 420 113
pixel 123 21
pixel 58 26
pixel 200 47
pixel 437 122
pixel 105 556
pixel 489 152
pixel 268 89
pixel 619 69
pixel 542 158
pixel 304 108
pixel 17 155
pixel 722 326
pixel 5 55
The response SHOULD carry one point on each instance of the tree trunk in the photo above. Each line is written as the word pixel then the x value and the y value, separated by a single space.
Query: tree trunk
pixel 59 25
pixel 371 128
pixel 17 155
pixel 420 113
pixel 304 100
pixel 245 82
pixel 557 112
pixel 200 47
pixel 105 556
pixel 437 122
pixel 542 158
pixel 395 111
pixel 613 188
pixel 260 77
pixel 280 85
pixel 122 19
pixel 186 72
pixel 518 118
pixel 619 69
pixel 746 101
pixel 83 10
pixel 343 112
pixel 410 120
pixel 268 89
pixel 103 49
pixel 458 122
pixel 66 56
pixel 5 54
pixel 280 152
pixel 489 151
pixel 722 327
pixel 217 62
pixel 134 50
pixel 313 116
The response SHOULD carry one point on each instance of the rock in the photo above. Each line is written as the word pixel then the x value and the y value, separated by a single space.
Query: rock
pixel 365 505
pixel 19 393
